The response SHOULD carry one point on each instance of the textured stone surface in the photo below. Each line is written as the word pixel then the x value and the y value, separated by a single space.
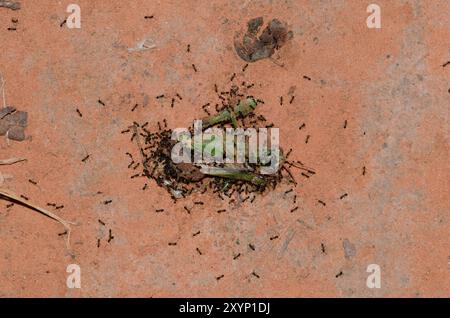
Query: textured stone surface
pixel 388 85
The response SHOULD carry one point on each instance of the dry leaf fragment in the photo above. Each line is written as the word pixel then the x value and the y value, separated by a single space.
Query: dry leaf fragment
pixel 13 123
pixel 252 48
pixel 10 5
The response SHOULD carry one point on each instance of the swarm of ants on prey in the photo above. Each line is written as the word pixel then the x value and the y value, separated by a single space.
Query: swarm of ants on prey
pixel 244 180
pixel 234 108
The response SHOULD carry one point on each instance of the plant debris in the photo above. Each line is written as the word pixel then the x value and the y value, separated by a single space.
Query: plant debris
pixel 22 200
pixel 11 161
pixel 13 123
pixel 224 179
pixel 10 5
pixel 143 45
pixel 250 47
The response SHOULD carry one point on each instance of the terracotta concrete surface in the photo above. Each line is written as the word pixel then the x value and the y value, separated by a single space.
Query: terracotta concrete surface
pixel 389 86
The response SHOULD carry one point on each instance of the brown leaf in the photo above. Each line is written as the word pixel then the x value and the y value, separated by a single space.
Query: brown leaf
pixel 13 123
pixel 252 48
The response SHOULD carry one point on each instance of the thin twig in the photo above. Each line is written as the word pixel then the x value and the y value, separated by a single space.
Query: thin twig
pixel 3 91
pixel 15 198
pixel 11 161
